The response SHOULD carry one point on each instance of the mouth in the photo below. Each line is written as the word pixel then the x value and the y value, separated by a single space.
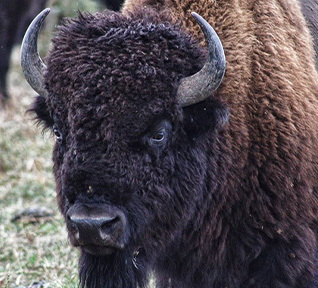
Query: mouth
pixel 98 250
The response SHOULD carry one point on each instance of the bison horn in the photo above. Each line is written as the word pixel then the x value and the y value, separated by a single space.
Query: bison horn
pixel 31 63
pixel 198 87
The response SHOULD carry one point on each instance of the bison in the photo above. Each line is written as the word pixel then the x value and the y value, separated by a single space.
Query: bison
pixel 15 17
pixel 163 166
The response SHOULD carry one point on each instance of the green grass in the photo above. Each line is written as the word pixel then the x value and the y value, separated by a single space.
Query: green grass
pixel 32 252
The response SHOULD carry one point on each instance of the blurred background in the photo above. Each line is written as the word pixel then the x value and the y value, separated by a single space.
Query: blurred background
pixel 34 251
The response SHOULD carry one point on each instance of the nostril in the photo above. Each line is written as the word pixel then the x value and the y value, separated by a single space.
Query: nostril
pixel 70 219
pixel 71 222
pixel 109 224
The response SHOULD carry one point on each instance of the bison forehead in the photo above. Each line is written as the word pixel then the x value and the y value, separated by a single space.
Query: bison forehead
pixel 115 65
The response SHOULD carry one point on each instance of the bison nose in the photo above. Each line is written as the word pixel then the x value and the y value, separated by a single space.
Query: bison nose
pixel 101 225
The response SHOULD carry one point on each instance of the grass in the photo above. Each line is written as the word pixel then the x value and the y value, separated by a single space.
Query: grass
pixel 31 251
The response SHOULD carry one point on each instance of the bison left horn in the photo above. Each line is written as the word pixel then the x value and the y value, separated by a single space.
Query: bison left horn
pixel 31 63
pixel 198 87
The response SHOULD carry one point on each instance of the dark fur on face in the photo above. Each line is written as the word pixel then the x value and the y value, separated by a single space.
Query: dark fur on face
pixel 107 107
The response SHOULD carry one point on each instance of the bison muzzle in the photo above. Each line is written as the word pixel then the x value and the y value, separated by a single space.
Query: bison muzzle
pixel 99 229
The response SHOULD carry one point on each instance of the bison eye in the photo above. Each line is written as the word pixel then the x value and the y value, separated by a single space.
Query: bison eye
pixel 158 136
pixel 58 134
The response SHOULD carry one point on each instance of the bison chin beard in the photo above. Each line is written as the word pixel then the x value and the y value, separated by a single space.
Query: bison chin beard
pixel 113 271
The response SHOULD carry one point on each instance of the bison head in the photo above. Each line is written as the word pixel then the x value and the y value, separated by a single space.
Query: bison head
pixel 128 101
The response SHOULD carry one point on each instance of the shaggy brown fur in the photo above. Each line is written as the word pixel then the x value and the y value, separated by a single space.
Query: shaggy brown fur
pixel 271 89
pixel 235 207
pixel 270 85
pixel 309 9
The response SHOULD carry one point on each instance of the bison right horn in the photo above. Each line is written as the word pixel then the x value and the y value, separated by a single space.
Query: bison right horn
pixel 198 87
pixel 31 63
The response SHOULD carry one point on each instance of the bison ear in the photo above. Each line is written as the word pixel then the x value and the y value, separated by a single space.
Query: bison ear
pixel 41 113
pixel 209 115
